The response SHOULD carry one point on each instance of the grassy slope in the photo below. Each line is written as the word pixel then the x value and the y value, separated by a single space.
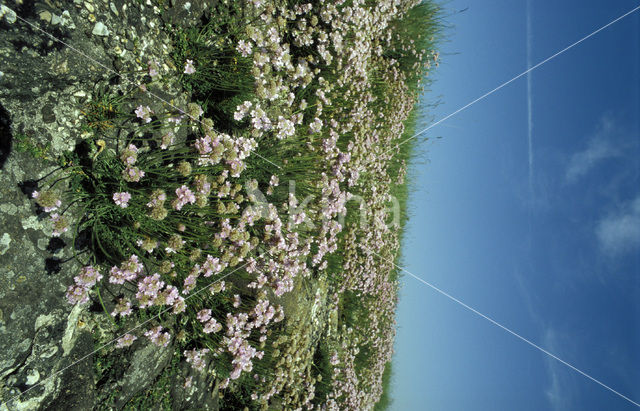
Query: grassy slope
pixel 425 18
pixel 421 24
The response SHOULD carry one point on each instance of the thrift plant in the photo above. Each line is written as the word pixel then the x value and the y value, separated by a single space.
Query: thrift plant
pixel 282 173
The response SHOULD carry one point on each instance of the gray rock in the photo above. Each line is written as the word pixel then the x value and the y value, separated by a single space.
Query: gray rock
pixel 201 394
pixel 66 20
pixel 100 29
pixel 55 19
pixel 48 116
pixel 4 243
pixel 8 14
pixel 147 363
pixel 46 345
pixel 45 15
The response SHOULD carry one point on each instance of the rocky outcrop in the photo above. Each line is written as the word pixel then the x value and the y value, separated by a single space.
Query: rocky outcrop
pixel 54 57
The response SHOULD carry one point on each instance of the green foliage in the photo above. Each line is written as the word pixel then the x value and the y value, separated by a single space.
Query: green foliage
pixel 223 78
pixel 421 25
pixel 385 400
pixel 323 369
pixel 26 144
pixel 104 111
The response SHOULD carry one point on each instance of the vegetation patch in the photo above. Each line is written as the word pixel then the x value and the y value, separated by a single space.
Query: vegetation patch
pixel 253 229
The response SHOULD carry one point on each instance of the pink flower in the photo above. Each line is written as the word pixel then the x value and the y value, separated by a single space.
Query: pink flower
pixel 129 155
pixel 149 290
pixel 235 374
pixel 88 277
pixel 244 48
pixel 188 67
pixel 211 266
pixel 188 382
pixel 176 119
pixel 170 295
pixel 128 271
pixel 153 68
pixel 159 338
pixel 185 195
pixel 125 341
pixel 122 199
pixel 60 224
pixel 167 140
pixel 204 315
pixel 212 326
pixel 47 199
pixel 203 145
pixel 158 197
pixel 77 294
pixel 196 358
pixel 334 359
pixel 123 308
pixel 179 306
pixel 144 113
pixel 132 174
pixel 189 283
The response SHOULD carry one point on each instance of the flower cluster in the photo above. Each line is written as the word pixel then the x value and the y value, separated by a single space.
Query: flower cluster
pixel 184 196
pixel 132 174
pixel 123 308
pixel 47 199
pixel 60 224
pixel 329 103
pixel 88 277
pixel 125 341
pixel 122 199
pixel 158 337
pixel 128 270
pixel 144 113
pixel 196 358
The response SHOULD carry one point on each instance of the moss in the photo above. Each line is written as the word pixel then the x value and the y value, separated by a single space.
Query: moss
pixel 26 144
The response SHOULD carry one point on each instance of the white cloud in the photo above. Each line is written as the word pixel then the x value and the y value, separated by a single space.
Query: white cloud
pixel 598 149
pixel 620 232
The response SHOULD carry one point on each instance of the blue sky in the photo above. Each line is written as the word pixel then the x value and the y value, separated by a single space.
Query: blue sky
pixel 534 224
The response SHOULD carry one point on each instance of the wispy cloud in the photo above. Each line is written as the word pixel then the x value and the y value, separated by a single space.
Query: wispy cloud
pixel 619 232
pixel 560 390
pixel 598 149
pixel 530 97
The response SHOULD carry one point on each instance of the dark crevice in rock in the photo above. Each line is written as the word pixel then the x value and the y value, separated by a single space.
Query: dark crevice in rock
pixel 26 10
pixel 83 239
pixel 55 244
pixel 53 265
pixel 5 135
pixel 28 187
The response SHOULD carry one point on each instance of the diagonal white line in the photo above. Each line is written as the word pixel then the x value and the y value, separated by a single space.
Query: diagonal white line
pixel 109 69
pixel 114 340
pixel 494 322
pixel 514 78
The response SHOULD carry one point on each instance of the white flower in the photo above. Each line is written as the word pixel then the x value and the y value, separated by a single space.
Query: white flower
pixel 188 67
